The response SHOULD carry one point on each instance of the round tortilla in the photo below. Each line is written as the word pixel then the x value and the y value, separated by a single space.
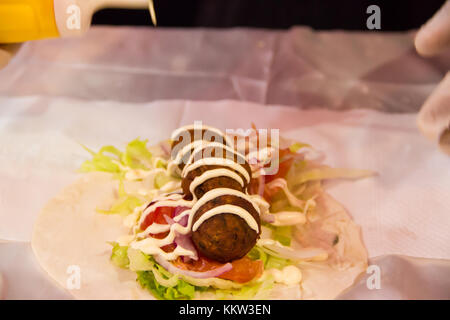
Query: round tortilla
pixel 347 259
pixel 70 240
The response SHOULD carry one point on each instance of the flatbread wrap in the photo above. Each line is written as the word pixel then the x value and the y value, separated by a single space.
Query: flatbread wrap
pixel 201 217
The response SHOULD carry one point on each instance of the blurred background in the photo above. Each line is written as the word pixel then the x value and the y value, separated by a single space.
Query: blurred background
pixel 398 15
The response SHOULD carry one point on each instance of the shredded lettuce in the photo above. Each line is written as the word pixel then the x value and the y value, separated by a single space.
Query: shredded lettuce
pixel 165 285
pixel 256 253
pixel 139 261
pixel 330 173
pixel 136 155
pixel 258 289
pixel 161 179
pixel 126 203
pixel 182 290
pixel 161 163
pixel 270 261
pixel 297 146
pixel 279 202
pixel 110 159
pixel 119 256
pixel 102 162
pixel 277 263
pixel 160 282
pixel 282 234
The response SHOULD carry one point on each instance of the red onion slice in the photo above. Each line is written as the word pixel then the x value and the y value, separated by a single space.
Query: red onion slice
pixel 267 217
pixel 168 219
pixel 179 210
pixel 184 221
pixel 194 274
pixel 165 148
pixel 297 253
pixel 184 241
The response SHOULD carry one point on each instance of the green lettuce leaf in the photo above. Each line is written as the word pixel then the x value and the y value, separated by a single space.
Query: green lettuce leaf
pixel 282 234
pixel 259 290
pixel 136 155
pixel 119 256
pixel 325 173
pixel 110 159
pixel 297 146
pixel 126 203
pixel 101 161
pixel 161 179
pixel 182 290
pixel 270 261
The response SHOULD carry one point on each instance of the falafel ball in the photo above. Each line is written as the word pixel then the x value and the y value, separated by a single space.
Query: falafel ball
pixel 225 237
pixel 179 142
pixel 216 182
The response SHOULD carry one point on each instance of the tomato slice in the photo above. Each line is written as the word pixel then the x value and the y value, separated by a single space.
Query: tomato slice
pixel 244 269
pixel 160 212
pixel 283 167
pixel 157 216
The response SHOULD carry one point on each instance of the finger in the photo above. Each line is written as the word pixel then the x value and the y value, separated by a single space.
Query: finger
pixel 434 36
pixel 434 117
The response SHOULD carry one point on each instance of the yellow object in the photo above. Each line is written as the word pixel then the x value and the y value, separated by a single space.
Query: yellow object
pixel 23 20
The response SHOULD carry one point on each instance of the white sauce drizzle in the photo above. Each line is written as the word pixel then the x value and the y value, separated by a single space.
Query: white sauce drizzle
pixel 216 161
pixel 228 208
pixel 215 145
pixel 177 132
pixel 187 148
pixel 214 173
pixel 151 245
pixel 173 165
pixel 214 193
pixel 164 203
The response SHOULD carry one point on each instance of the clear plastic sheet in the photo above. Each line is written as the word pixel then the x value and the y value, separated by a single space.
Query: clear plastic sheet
pixel 300 67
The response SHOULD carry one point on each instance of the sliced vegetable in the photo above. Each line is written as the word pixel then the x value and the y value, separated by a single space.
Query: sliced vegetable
pixel 172 268
pixel 243 270
pixel 254 290
pixel 182 290
pixel 276 249
pixel 161 179
pixel 110 159
pixel 126 203
pixel 102 162
pixel 136 155
pixel 297 146
pixel 269 261
pixel 119 256
pixel 282 234
pixel 325 173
